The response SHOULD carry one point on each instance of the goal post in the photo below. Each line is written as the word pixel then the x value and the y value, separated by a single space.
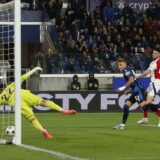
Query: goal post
pixel 10 53
pixel 17 51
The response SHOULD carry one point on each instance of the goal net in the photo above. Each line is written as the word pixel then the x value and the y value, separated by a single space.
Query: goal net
pixel 7 67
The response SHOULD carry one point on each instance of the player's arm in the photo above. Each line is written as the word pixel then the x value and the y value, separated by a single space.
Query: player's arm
pixel 152 68
pixel 128 91
pixel 145 73
pixel 130 81
pixel 28 74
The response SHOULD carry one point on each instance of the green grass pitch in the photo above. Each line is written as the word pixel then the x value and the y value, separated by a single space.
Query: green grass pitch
pixel 89 136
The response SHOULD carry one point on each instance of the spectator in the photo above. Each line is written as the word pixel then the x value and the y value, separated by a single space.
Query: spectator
pixel 93 83
pixel 99 67
pixel 157 10
pixel 108 12
pixel 53 8
pixel 70 14
pixel 127 11
pixel 139 62
pixel 82 16
pixel 40 60
pixel 54 62
pixel 88 65
pixel 75 84
pixel 70 65
pixel 117 12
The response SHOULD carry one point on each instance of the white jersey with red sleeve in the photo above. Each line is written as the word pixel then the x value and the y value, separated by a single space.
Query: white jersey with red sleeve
pixel 154 85
pixel 155 70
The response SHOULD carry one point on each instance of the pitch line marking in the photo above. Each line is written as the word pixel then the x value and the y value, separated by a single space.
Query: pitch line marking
pixel 51 152
pixel 63 156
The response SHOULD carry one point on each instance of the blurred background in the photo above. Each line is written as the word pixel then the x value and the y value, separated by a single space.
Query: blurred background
pixel 87 36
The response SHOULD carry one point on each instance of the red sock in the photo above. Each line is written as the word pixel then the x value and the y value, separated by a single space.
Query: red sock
pixel 145 114
pixel 157 113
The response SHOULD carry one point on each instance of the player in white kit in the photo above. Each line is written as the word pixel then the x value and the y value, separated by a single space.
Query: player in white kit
pixel 154 86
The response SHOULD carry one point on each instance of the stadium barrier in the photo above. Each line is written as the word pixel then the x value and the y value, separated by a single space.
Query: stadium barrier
pixel 86 101
pixel 61 82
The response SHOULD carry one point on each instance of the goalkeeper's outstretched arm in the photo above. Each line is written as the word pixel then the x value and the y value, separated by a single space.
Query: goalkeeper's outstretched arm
pixel 28 74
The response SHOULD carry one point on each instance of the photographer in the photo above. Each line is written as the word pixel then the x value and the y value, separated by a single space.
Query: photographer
pixel 93 83
pixel 75 85
pixel 39 60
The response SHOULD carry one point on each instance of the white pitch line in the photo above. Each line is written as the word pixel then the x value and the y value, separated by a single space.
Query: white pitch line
pixel 64 156
pixel 51 152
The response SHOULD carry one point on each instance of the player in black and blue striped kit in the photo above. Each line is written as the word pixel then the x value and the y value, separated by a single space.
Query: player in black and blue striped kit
pixel 136 89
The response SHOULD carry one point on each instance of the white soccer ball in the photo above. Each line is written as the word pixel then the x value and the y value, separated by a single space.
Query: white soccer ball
pixel 10 130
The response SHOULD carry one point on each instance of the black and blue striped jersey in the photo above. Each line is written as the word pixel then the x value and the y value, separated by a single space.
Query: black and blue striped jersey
pixel 136 85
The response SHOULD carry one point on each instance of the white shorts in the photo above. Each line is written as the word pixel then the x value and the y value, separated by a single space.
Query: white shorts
pixel 153 89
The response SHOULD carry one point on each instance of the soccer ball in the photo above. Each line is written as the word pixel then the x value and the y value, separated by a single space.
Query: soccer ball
pixel 10 130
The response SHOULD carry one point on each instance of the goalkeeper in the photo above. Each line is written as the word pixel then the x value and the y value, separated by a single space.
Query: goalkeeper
pixel 28 100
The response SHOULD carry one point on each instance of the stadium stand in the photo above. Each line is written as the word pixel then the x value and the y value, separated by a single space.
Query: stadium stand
pixel 91 42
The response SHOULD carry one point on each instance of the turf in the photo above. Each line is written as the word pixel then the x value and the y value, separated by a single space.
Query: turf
pixel 89 136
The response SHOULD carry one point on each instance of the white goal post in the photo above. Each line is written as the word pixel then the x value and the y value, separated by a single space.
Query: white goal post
pixel 10 33
pixel 17 21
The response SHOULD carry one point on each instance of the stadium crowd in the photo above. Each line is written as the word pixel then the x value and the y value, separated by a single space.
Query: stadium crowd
pixel 91 42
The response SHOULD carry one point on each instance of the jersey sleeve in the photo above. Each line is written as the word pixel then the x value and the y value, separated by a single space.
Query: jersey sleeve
pixel 7 92
pixel 128 73
pixel 25 77
pixel 152 66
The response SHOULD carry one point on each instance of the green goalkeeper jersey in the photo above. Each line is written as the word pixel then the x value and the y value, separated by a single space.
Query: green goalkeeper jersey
pixel 8 92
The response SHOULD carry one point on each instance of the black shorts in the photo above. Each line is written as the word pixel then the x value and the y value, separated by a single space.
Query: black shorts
pixel 137 97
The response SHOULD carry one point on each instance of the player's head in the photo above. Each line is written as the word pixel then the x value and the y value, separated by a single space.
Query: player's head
pixel 156 53
pixel 121 64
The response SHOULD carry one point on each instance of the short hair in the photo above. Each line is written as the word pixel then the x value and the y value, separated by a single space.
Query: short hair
pixel 121 60
pixel 157 49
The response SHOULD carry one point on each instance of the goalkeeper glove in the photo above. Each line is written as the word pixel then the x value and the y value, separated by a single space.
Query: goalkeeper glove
pixel 38 69
pixel 34 70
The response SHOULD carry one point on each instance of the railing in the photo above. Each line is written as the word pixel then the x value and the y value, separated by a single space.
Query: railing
pixel 47 36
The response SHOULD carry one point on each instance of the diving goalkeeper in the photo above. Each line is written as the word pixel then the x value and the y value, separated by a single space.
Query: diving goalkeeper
pixel 28 100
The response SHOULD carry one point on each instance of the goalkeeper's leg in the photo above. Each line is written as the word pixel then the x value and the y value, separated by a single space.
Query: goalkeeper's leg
pixel 29 115
pixel 34 100
pixel 56 107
